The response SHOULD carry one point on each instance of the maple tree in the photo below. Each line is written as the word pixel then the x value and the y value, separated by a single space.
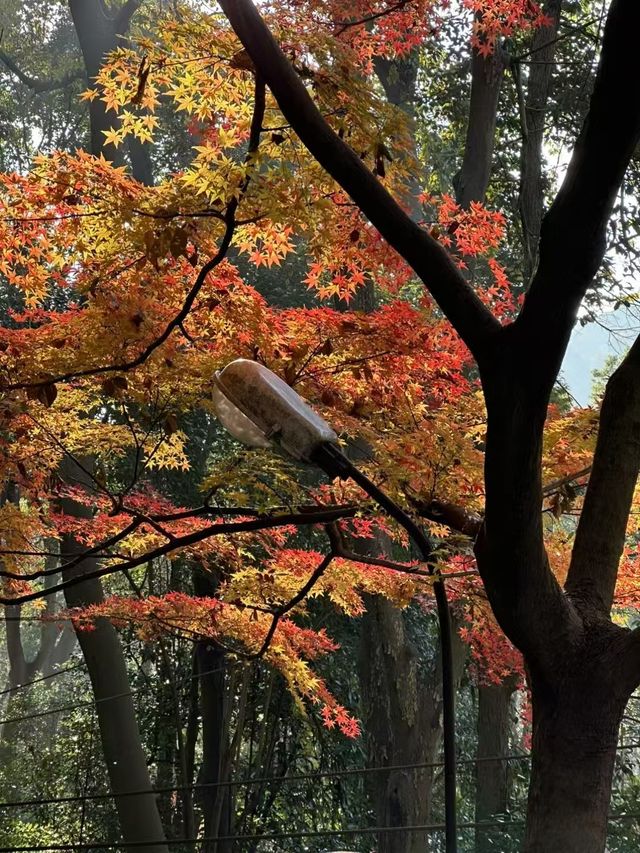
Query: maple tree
pixel 126 289
pixel 518 378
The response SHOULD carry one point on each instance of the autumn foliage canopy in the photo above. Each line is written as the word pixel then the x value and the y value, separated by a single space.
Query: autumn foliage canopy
pixel 127 298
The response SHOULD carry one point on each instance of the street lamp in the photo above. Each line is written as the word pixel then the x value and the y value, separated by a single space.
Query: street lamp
pixel 259 409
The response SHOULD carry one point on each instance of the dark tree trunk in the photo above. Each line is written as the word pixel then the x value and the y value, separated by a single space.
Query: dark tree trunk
pixel 98 27
pixel 56 642
pixel 494 729
pixel 575 734
pixel 397 732
pixel 165 720
pixel 211 665
pixel 97 33
pixel 486 80
pixel 125 759
pixel 398 78
pixel 190 741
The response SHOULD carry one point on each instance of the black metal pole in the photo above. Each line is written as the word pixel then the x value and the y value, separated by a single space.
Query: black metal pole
pixel 330 458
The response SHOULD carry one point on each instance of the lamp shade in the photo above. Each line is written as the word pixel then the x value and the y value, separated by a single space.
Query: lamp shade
pixel 257 407
pixel 236 422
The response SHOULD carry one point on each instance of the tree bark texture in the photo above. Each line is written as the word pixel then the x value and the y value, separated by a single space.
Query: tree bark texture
pixel 575 734
pixel 486 80
pixel 121 743
pixel 402 713
pixel 492 777
pixel 214 800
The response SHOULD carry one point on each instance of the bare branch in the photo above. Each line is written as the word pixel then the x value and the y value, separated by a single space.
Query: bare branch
pixel 264 523
pixel 368 19
pixel 36 84
pixel 452 515
pixel 293 602
pixel 554 485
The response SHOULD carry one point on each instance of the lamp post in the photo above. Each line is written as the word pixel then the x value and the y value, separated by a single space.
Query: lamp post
pixel 259 409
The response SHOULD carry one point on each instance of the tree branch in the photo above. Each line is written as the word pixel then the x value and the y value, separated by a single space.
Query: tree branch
pixel 554 485
pixel 452 515
pixel 281 611
pixel 602 528
pixel 368 19
pixel 124 14
pixel 36 84
pixel 176 322
pixel 264 523
pixel 573 231
pixel 462 520
pixel 431 262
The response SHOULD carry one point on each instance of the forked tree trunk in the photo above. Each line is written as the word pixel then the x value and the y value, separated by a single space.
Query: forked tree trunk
pixel 101 28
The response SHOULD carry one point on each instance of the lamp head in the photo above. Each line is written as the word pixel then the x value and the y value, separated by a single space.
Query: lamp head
pixel 258 408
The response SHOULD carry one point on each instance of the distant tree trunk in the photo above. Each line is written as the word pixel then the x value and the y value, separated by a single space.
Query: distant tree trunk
pixel 494 729
pixel 100 29
pixel 121 743
pixel 398 77
pixel 211 666
pixel 165 742
pixel 487 74
pixel 259 798
pixel 402 714
pixel 213 797
pixel 389 676
pixel 190 741
pixel 533 116
pixel 54 648
pixel 402 710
